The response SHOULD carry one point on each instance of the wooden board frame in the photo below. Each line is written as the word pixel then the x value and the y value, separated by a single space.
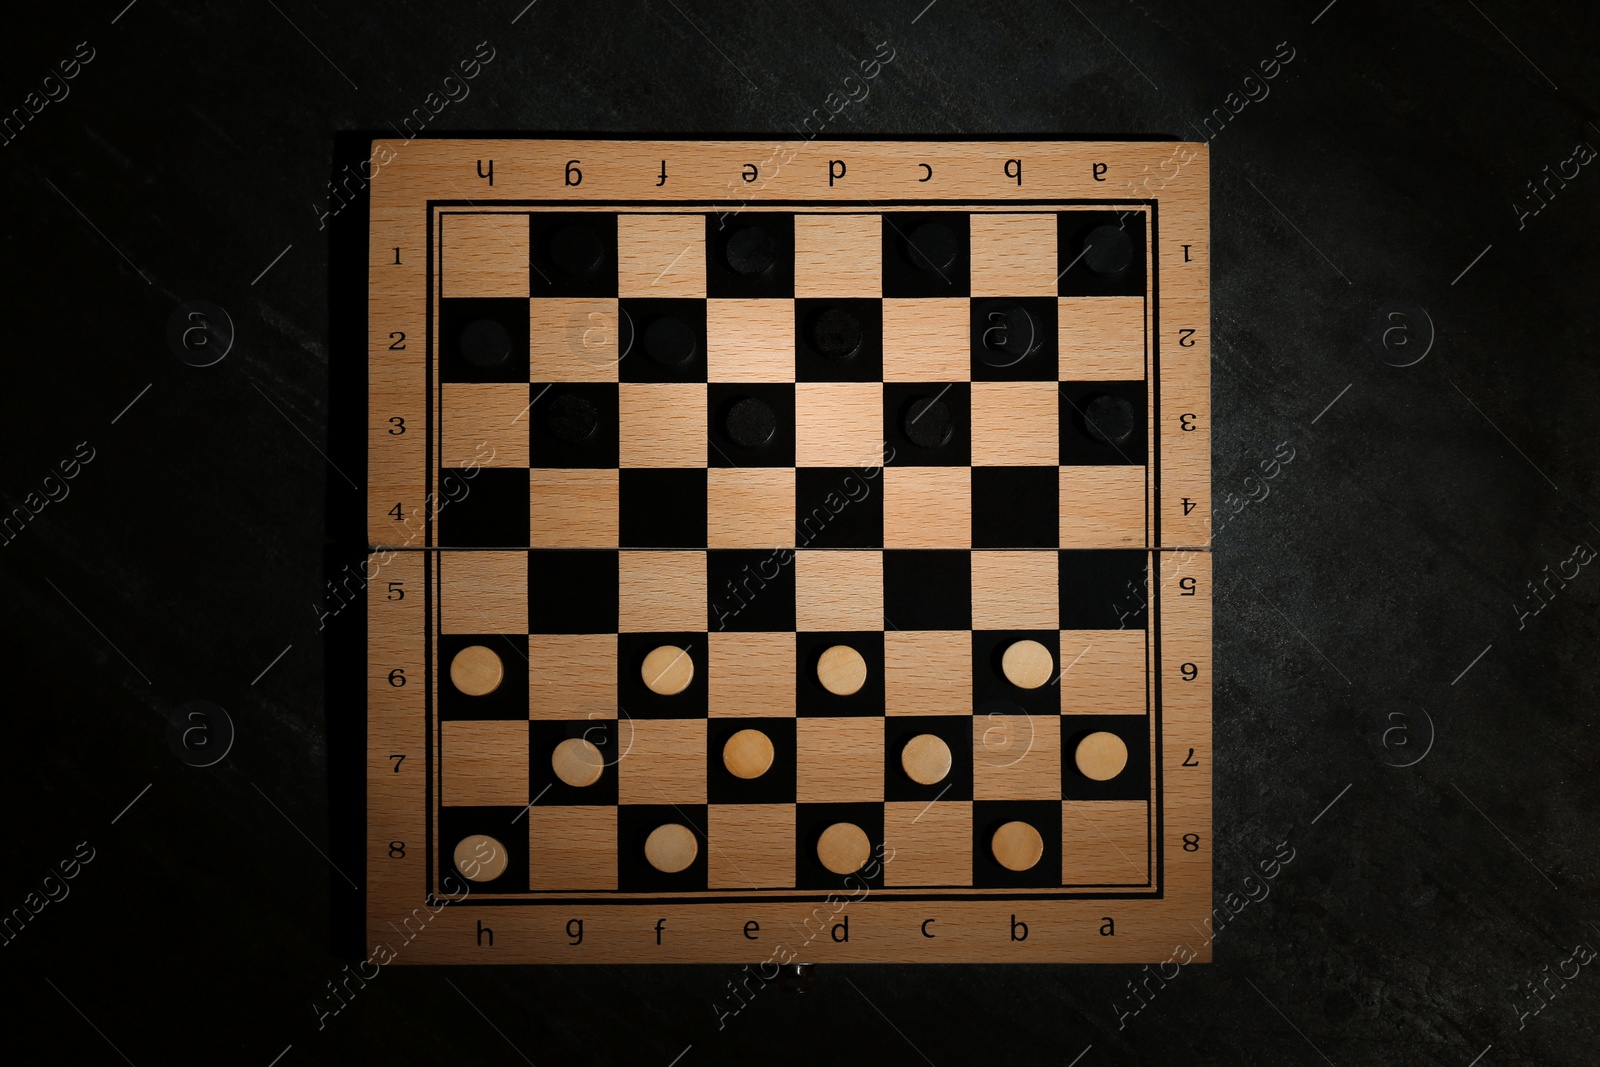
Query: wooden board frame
pixel 421 921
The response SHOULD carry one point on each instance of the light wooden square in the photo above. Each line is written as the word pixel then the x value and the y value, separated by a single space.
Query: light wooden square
pixel 1015 591
pixel 751 674
pixel 1102 338
pixel 572 507
pixel 662 424
pixel 838 590
pixel 1016 757
pixel 750 846
pixel 1105 842
pixel 482 424
pixel 572 339
pixel 839 760
pixel 927 844
pixel 1013 255
pixel 927 672
pixel 927 340
pixel 1102 507
pixel 1103 672
pixel 750 507
pixel 479 592
pixel 483 254
pixel 664 762
pixel 661 255
pixel 750 340
pixel 838 255
pixel 572 676
pixel 1015 424
pixel 572 847
pixel 838 424
pixel 927 507
pixel 483 763
pixel 662 591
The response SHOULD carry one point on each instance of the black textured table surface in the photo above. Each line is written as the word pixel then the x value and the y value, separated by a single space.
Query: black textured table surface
pixel 1405 199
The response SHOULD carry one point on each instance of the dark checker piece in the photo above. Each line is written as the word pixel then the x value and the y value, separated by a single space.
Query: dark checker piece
pixel 670 341
pixel 933 247
pixel 1008 336
pixel 751 251
pixel 1101 253
pixel 576 249
pixel 837 333
pixel 485 343
pixel 1107 250
pixel 1109 418
pixel 928 423
pixel 572 418
pixel 751 422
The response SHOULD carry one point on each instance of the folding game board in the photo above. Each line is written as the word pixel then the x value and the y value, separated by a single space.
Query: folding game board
pixel 788 551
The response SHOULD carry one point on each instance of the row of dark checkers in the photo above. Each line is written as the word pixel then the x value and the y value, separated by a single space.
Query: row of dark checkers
pixel 1098 253
pixel 752 424
pixel 636 821
pixel 663 339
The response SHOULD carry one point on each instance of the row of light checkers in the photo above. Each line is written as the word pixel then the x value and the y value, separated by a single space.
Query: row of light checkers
pixel 1009 836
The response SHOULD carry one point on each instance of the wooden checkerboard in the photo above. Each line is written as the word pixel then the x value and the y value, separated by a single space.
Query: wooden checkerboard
pixel 789 551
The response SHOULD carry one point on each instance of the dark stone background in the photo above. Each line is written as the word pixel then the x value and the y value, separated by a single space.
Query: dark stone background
pixel 1391 552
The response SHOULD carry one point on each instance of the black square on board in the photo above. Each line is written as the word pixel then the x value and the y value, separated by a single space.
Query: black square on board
pixel 989 816
pixel 927 589
pixel 1103 589
pixel 837 507
pixel 661 340
pixel 811 698
pixel 750 589
pixel 502 825
pixel 635 823
pixel 954 730
pixel 1134 781
pixel 926 253
pixel 838 340
pixel 810 821
pixel 481 339
pixel 509 700
pixel 927 424
pixel 750 253
pixel 572 253
pixel 776 786
pixel 1102 424
pixel 1016 507
pixel 545 735
pixel 739 414
pixel 574 424
pixel 572 591
pixel 636 700
pixel 662 508
pixel 483 507
pixel 1014 339
pixel 1100 253
pixel 993 691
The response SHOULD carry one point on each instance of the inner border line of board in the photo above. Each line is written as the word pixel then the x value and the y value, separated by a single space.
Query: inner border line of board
pixel 437 207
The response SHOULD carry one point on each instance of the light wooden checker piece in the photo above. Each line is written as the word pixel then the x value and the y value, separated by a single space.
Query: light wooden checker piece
pixel 549 371
pixel 476 671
